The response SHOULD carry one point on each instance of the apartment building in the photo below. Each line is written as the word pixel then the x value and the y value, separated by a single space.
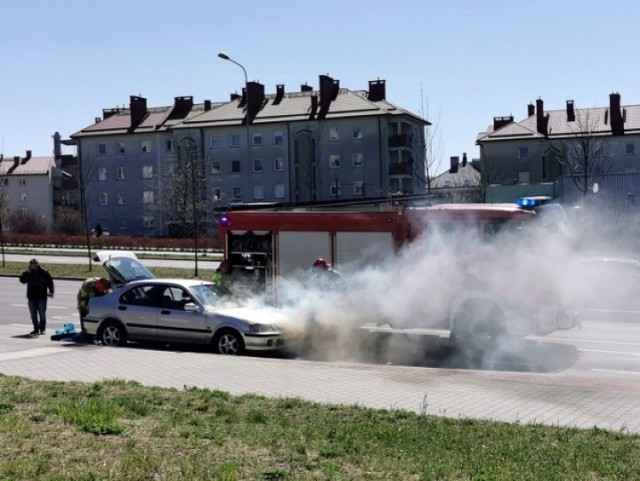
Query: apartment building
pixel 28 184
pixel 310 145
pixel 548 144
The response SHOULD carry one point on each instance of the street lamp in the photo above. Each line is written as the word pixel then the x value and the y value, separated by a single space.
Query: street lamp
pixel 224 56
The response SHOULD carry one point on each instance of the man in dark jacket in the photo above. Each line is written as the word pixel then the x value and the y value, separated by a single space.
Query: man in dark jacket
pixel 39 287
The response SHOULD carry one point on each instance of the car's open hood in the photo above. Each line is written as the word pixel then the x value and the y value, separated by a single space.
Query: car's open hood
pixel 122 266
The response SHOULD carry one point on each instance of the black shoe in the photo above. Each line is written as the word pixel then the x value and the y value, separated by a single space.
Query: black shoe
pixel 42 331
pixel 35 332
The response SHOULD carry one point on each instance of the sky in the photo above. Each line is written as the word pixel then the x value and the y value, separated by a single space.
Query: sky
pixel 459 63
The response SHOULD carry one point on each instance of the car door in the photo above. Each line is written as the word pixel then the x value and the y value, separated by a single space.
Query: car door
pixel 175 324
pixel 138 308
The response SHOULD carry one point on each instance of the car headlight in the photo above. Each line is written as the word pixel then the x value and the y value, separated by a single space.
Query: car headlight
pixel 261 328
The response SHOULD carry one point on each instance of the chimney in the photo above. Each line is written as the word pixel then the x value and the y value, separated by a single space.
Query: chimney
pixel 207 105
pixel 26 158
pixel 499 122
pixel 531 110
pixel 314 107
pixel 279 94
pixel 138 108
pixel 571 114
pixel 464 159
pixel 542 120
pixel 328 93
pixel 255 98
pixel 234 96
pixel 243 100
pixel 455 162
pixel 306 88
pixel 57 146
pixel 377 90
pixel 617 122
pixel 183 103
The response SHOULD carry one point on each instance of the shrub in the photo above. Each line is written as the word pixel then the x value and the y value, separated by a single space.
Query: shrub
pixel 26 222
pixel 67 221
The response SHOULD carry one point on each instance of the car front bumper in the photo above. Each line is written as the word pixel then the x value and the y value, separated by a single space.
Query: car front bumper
pixel 263 341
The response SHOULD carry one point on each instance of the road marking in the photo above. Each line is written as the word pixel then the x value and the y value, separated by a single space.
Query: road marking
pixel 38 351
pixel 610 352
pixel 616 371
pixel 49 306
pixel 600 341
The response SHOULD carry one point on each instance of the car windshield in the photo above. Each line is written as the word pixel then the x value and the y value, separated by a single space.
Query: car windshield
pixel 206 295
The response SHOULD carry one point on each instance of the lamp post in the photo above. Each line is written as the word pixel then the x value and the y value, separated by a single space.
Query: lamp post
pixel 224 56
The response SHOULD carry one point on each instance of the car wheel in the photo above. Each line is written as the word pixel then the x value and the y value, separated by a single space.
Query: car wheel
pixel 113 334
pixel 228 342
pixel 478 327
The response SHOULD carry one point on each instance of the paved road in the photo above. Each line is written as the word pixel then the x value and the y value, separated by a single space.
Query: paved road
pixel 584 378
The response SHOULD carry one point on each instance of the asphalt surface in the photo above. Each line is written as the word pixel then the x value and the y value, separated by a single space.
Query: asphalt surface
pixel 578 378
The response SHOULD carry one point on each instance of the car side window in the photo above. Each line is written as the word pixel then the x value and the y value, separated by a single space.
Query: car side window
pixel 174 297
pixel 139 296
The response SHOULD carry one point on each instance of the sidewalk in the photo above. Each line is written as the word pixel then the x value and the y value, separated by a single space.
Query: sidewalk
pixel 558 399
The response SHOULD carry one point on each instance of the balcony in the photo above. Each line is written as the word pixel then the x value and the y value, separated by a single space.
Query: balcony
pixel 400 168
pixel 400 141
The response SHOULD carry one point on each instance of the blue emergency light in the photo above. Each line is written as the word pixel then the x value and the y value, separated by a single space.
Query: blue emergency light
pixel 530 203
pixel 224 221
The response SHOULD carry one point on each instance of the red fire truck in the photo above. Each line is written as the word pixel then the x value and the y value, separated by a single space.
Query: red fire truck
pixel 268 245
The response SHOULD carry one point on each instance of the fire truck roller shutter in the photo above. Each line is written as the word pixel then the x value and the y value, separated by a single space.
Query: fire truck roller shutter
pixel 298 250
pixel 355 249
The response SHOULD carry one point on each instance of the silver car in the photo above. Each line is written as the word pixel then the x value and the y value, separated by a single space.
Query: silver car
pixel 175 310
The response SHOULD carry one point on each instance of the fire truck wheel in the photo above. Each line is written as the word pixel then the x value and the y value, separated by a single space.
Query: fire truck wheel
pixel 478 327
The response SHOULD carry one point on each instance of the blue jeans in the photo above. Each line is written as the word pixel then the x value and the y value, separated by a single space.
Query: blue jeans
pixel 38 307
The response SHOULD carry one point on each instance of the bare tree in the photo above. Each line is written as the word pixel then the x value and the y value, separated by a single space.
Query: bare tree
pixel 431 146
pixel 584 153
pixel 4 212
pixel 85 176
pixel 184 200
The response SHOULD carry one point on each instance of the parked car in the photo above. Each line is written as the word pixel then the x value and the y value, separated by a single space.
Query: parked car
pixel 144 308
pixel 604 288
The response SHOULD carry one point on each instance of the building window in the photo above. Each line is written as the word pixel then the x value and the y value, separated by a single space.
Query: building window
pixel 148 222
pixel 630 149
pixel 215 168
pixel 169 145
pixel 121 198
pixel 234 140
pixel 102 149
pixel 216 194
pixel 357 159
pixel 147 197
pixel 23 196
pixel 278 138
pixel 334 188
pixel 103 198
pixel 523 153
pixel 122 223
pixel 147 171
pixel 523 177
pixel 6 181
pixel 23 182
pixel 214 142
pixel 235 166
pixel 257 165
pixel 278 164
pixel 119 148
pixel 120 173
pixel 258 192
pixel 334 161
pixel 358 187
pixel 102 174
pixel 256 138
pixel 278 191
pixel 145 146
pixel 236 193
pixel 334 133
pixel 356 133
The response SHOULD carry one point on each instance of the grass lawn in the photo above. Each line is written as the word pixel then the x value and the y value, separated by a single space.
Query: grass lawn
pixel 82 271
pixel 123 431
